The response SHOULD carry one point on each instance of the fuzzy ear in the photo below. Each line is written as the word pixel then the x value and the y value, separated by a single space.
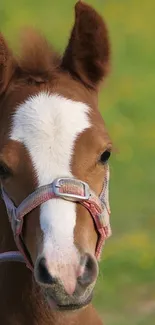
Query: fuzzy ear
pixel 87 54
pixel 37 59
pixel 7 65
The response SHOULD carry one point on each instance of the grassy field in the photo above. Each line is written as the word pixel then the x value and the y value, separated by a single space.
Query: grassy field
pixel 125 293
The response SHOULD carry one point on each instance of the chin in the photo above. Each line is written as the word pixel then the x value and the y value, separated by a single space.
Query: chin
pixel 70 306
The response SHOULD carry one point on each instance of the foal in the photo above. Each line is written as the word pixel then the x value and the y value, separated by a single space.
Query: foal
pixel 50 127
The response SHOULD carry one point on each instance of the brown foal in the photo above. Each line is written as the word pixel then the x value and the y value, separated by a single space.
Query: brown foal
pixel 50 127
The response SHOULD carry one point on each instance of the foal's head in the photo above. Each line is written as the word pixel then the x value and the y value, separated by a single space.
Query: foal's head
pixel 50 127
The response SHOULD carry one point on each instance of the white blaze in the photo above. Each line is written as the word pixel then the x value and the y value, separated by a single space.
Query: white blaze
pixel 48 126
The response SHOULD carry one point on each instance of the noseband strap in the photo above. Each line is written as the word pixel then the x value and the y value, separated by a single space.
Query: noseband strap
pixel 70 189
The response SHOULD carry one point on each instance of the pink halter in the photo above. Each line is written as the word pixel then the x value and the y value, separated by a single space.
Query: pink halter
pixel 70 189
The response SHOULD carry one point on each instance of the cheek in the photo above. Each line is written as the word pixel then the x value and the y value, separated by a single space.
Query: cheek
pixel 85 234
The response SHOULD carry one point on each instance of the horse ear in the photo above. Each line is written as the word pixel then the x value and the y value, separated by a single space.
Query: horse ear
pixel 87 54
pixel 37 59
pixel 7 64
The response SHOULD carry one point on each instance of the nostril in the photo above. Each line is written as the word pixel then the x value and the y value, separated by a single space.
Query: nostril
pixel 42 272
pixel 90 270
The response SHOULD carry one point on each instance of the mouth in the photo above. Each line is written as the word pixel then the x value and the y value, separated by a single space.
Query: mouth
pixel 68 307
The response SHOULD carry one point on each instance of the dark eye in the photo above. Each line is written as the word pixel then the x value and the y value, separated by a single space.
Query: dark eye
pixel 4 171
pixel 105 156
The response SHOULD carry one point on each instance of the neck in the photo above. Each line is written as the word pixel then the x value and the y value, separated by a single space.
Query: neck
pixel 21 299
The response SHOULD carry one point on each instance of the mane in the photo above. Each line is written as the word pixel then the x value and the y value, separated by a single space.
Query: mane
pixel 37 57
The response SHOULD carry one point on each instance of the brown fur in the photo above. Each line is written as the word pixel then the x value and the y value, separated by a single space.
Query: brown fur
pixel 76 75
pixel 86 57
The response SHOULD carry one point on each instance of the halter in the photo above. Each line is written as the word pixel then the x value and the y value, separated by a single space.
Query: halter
pixel 70 189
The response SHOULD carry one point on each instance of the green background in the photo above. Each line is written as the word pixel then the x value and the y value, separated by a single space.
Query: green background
pixel 125 293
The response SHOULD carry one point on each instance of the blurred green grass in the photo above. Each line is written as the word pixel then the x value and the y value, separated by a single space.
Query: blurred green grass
pixel 125 291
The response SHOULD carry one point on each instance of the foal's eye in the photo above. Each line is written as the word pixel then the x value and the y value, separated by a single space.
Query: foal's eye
pixel 4 171
pixel 104 157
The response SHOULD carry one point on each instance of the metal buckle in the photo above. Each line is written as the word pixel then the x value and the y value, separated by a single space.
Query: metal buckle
pixel 68 196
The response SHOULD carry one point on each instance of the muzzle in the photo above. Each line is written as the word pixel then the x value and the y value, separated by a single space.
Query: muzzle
pixel 70 189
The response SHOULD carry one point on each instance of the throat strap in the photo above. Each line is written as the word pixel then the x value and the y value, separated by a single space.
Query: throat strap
pixel 11 257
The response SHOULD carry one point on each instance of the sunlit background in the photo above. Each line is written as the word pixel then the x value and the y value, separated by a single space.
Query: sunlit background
pixel 125 293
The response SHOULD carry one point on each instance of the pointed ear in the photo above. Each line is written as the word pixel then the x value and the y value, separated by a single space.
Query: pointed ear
pixel 7 65
pixel 87 54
